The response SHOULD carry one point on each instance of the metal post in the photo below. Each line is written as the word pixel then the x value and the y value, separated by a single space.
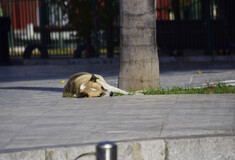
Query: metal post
pixel 94 38
pixel 61 40
pixel 106 151
pixel 209 27
pixel 44 22
pixel 4 46
pixel 11 34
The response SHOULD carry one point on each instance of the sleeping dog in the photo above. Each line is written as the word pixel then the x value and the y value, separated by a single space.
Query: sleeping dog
pixel 85 84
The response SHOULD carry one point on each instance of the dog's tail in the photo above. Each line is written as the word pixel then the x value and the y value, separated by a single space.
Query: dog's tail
pixel 111 88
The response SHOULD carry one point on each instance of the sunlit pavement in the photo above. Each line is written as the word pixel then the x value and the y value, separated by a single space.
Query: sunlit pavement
pixel 34 114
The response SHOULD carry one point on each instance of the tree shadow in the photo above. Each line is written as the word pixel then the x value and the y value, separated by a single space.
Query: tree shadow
pixel 52 89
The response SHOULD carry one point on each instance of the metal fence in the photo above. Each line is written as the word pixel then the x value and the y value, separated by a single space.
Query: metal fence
pixel 39 26
pixel 207 25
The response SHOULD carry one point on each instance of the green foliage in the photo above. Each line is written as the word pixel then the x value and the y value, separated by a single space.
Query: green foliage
pixel 108 11
pixel 69 95
pixel 219 88
pixel 82 13
pixel 118 94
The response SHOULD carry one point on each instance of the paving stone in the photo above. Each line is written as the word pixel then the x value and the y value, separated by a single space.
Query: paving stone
pixel 34 115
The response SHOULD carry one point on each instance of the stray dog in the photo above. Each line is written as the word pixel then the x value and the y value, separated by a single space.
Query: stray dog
pixel 85 84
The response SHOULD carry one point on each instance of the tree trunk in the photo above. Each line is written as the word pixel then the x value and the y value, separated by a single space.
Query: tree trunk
pixel 139 64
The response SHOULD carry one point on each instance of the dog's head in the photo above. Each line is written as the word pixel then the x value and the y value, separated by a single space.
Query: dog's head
pixel 92 88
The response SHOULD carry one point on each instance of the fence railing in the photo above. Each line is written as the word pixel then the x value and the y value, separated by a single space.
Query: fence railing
pixel 207 25
pixel 41 23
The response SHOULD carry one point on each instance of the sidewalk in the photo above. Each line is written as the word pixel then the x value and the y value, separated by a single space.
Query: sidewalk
pixel 162 59
pixel 34 118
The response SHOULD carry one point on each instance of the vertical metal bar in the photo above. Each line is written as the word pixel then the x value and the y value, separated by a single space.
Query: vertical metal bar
pixel 27 22
pixel 20 10
pixel 18 23
pixel 49 34
pixel 181 10
pixel 190 10
pixel 166 17
pixel 38 36
pixel 95 38
pixel 106 151
pixel 61 41
pixel 209 28
pixel 195 10
pixel 212 2
pixel 45 35
pixel 160 9
pixel 53 45
pixel 199 17
pixel 54 40
pixel 11 39
pixel 165 10
pixel 4 49
pixel 1 8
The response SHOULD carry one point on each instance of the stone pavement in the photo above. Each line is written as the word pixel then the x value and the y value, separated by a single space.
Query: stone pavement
pixel 33 114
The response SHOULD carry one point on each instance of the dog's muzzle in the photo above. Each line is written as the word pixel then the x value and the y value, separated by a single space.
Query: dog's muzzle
pixel 108 93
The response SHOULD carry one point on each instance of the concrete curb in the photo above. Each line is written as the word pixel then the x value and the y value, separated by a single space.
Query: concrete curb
pixel 203 148
pixel 162 59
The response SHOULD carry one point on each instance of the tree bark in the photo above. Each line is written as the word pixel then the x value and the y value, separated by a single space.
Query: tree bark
pixel 139 64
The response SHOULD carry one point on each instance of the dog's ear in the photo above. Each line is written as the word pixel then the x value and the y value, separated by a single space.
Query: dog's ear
pixel 93 78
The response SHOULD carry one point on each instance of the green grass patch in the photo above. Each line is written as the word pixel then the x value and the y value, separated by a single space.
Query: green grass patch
pixel 118 94
pixel 219 88
pixel 69 95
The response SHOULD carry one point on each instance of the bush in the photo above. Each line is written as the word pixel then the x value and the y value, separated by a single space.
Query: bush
pixel 82 13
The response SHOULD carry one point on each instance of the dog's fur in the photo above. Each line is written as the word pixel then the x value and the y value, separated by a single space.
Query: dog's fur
pixel 85 84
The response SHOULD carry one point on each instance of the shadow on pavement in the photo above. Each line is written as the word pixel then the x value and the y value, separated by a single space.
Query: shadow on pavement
pixel 63 72
pixel 52 89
